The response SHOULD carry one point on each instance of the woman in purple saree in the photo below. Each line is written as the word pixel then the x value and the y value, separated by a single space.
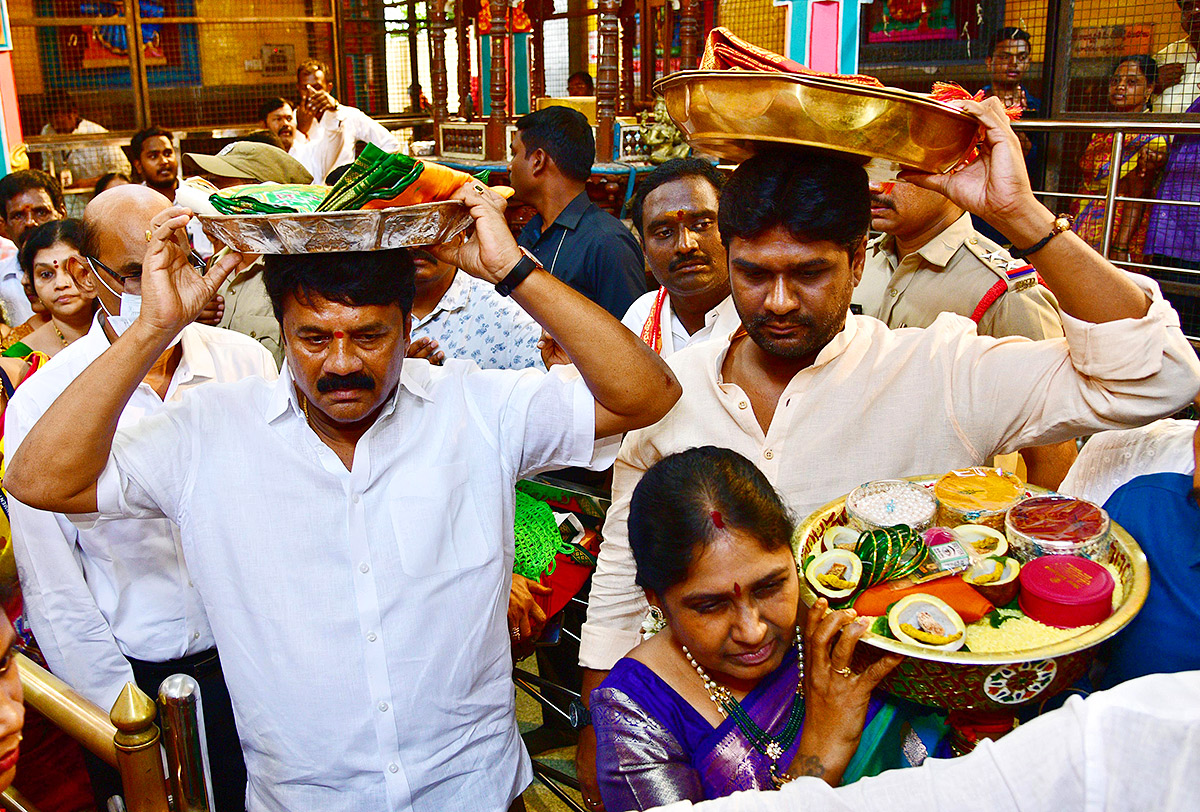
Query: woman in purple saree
pixel 723 699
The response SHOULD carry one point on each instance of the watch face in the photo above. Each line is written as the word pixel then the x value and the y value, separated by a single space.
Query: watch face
pixel 579 714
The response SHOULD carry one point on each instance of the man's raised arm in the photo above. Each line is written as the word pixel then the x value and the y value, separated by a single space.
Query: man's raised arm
pixel 632 386
pixel 58 464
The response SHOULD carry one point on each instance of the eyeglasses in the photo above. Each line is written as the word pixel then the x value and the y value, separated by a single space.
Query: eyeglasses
pixel 194 259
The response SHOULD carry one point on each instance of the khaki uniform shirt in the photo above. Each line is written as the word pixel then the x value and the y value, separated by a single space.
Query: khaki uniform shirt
pixel 952 273
pixel 248 309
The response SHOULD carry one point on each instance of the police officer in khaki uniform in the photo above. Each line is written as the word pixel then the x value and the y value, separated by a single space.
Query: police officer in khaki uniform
pixel 930 260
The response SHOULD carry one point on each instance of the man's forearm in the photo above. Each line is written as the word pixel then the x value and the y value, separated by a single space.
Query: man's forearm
pixel 624 375
pixel 57 465
pixel 1087 286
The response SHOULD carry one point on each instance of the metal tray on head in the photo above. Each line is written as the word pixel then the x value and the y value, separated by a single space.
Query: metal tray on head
pixel 1000 681
pixel 322 232
pixel 736 114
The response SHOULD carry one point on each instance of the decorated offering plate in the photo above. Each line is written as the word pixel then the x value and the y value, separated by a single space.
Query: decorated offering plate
pixel 735 114
pixel 1057 525
pixel 1007 658
pixel 363 230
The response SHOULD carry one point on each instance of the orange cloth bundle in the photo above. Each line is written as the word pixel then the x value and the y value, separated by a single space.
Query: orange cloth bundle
pixel 957 593
pixel 725 51
pixel 436 182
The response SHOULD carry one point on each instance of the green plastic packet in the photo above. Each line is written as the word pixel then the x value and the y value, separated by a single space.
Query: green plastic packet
pixel 269 198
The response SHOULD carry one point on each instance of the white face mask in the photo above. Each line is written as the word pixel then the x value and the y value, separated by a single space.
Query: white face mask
pixel 131 308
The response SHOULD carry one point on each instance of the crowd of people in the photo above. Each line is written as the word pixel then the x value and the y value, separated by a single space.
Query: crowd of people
pixel 293 476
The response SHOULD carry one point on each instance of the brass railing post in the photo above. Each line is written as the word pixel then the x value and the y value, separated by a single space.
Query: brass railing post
pixel 138 755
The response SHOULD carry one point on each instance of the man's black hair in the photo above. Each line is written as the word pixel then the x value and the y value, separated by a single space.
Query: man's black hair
pixel 671 512
pixel 815 195
pixel 586 78
pixel 354 278
pixel 47 234
pixel 106 179
pixel 564 135
pixel 672 170
pixel 142 136
pixel 60 101
pixel 1007 33
pixel 20 182
pixel 270 106
pixel 262 137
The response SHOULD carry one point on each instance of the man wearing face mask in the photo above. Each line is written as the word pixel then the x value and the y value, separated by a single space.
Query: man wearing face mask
pixel 103 617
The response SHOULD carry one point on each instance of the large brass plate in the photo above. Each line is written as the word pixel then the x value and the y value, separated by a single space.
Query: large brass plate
pixel 734 114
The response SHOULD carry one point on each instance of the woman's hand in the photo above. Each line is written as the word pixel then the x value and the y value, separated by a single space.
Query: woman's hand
pixel 835 697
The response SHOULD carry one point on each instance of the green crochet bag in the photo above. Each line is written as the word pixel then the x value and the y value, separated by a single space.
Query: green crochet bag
pixel 538 539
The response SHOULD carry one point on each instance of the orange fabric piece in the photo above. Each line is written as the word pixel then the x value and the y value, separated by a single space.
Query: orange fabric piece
pixel 436 182
pixel 957 593
pixel 726 51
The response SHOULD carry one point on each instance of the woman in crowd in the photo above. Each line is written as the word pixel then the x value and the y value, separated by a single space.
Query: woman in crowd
pixel 744 688
pixel 52 260
pixel 1130 87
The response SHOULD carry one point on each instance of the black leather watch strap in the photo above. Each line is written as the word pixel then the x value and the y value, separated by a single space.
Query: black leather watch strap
pixel 524 267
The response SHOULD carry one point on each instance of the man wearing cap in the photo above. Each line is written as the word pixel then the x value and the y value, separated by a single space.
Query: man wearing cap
pixel 247 308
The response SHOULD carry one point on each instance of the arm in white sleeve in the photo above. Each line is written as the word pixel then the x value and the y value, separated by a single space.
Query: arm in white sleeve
pixel 72 633
pixel 616 605
pixel 364 128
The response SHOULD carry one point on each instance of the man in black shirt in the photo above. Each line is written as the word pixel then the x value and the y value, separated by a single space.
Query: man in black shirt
pixel 589 249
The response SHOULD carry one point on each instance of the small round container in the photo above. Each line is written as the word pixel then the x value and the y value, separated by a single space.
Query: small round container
pixel 1066 591
pixel 1057 525
pixel 888 503
pixel 977 496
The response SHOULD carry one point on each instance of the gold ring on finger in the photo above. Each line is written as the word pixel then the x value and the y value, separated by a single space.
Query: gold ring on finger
pixel 149 235
pixel 845 671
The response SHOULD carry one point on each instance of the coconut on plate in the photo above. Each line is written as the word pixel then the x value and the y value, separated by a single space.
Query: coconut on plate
pixel 834 574
pixel 924 620
pixel 980 540
pixel 995 577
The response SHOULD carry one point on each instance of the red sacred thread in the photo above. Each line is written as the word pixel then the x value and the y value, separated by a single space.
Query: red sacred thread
pixel 716 520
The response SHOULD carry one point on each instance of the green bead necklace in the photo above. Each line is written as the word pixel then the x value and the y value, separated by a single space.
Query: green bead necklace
pixel 773 747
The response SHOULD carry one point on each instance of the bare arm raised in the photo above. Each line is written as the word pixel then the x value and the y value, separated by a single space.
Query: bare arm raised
pixel 996 187
pixel 76 432
pixel 632 386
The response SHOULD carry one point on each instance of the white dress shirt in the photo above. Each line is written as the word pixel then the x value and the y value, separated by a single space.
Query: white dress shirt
pixel 1134 747
pixel 1179 97
pixel 121 588
pixel 361 614
pixel 330 141
pixel 879 403
pixel 1112 458
pixel 12 293
pixel 720 321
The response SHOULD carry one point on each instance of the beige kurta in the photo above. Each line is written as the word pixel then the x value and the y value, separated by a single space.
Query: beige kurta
pixel 248 309
pixel 880 403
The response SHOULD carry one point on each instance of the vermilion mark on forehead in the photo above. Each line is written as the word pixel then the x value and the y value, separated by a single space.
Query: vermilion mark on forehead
pixel 737 589
pixel 339 334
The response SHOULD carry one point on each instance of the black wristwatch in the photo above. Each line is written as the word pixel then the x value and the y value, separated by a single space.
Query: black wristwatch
pixel 580 716
pixel 524 267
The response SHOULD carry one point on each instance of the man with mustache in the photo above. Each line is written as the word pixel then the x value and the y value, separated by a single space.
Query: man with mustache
pixel 351 525
pixel 114 602
pixel 456 315
pixel 930 260
pixel 674 209
pixel 823 400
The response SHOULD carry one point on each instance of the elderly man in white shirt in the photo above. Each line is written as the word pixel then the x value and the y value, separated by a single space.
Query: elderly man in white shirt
pixel 114 603
pixel 1132 747
pixel 350 527
pixel 823 401
pixel 674 210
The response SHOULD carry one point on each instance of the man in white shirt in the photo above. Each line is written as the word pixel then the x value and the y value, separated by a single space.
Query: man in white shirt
pixel 1178 67
pixel 674 209
pixel 114 603
pixel 350 526
pixel 325 131
pixel 28 198
pixel 823 401
pixel 1131 747
pixel 84 165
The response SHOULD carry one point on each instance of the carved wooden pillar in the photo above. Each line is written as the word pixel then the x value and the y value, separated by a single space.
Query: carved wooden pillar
pixel 689 33
pixel 414 62
pixel 537 68
pixel 646 34
pixel 606 80
pixel 437 67
pixel 466 108
pixel 628 35
pixel 496 135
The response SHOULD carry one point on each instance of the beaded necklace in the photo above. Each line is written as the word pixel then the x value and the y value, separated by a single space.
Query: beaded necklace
pixel 773 747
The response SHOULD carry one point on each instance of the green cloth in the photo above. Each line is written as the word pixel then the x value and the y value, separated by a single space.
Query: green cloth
pixel 269 198
pixel 18 350
pixel 374 175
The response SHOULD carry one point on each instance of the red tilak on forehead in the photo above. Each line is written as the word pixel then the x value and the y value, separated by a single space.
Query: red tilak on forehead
pixel 338 334
pixel 717 520
pixel 737 589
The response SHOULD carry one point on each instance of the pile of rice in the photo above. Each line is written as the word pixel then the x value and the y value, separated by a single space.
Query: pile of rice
pixel 1016 634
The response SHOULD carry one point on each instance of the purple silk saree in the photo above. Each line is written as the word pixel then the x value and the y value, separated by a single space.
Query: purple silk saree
pixel 653 748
